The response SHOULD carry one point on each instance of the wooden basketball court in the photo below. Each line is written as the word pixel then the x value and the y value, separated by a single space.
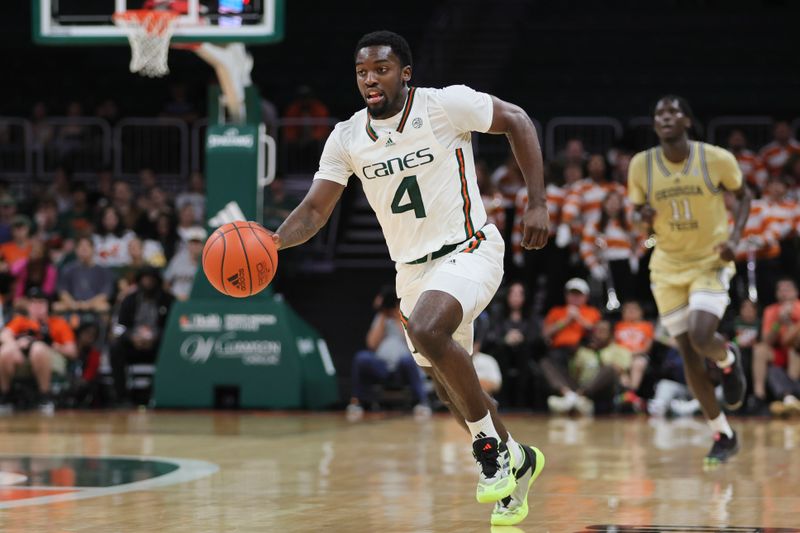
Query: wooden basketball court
pixel 223 472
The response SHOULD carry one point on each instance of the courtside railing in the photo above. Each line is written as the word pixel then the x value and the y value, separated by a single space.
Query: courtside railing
pixel 598 134
pixel 16 148
pixel 81 144
pixel 757 130
pixel 160 144
pixel 173 148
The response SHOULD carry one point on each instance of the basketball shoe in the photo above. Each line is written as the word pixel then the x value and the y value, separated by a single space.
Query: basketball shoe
pixel 496 479
pixel 724 448
pixel 733 380
pixel 513 508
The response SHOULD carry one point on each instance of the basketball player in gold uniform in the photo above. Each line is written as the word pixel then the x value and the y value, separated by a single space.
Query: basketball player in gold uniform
pixel 677 189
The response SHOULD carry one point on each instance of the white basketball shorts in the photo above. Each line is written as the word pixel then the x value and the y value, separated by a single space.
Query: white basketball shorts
pixel 471 274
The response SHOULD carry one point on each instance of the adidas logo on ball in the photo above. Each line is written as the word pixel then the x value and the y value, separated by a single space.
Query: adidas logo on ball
pixel 238 281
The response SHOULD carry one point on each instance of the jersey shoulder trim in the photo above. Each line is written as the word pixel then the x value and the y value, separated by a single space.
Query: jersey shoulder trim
pixel 704 168
pixel 406 109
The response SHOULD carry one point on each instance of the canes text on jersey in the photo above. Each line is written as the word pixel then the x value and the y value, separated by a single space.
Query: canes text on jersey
pixel 398 164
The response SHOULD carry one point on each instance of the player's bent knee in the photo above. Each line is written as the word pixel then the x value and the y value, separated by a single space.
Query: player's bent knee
pixel 427 338
pixel 701 339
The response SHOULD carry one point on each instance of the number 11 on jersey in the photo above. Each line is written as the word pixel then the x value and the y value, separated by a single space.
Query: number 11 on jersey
pixel 681 210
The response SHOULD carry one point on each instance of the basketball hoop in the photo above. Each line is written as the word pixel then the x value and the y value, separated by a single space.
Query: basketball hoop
pixel 149 32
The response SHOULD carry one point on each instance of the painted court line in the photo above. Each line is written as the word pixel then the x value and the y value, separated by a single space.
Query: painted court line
pixel 188 470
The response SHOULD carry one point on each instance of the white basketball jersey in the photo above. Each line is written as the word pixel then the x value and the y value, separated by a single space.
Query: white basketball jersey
pixel 421 184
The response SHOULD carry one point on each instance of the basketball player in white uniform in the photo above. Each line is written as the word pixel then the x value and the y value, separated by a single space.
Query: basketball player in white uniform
pixel 411 148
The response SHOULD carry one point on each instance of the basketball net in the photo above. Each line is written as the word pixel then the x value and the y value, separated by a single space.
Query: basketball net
pixel 149 32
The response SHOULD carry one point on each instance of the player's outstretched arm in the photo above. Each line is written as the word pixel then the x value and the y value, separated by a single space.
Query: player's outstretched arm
pixel 511 120
pixel 309 217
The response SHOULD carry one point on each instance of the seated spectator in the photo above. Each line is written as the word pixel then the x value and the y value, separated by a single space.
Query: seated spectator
pixel 196 196
pixel 78 220
pixel 780 342
pixel 782 213
pixel 8 209
pixel 59 190
pixel 38 343
pixel 565 326
pixel 111 240
pixel 122 199
pixel 167 236
pixel 783 385
pixel 102 192
pixel 20 244
pixel 37 270
pixel 182 268
pixel 139 327
pixel 387 357
pixel 511 335
pixel 45 220
pixel 186 222
pixel 596 372
pixel 84 286
pixel 777 153
pixel 152 205
pixel 635 334
pixel 306 106
pixel 143 254
pixel 752 167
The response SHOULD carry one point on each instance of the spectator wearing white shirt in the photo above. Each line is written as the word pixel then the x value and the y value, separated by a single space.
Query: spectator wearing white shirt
pixel 111 239
pixel 181 270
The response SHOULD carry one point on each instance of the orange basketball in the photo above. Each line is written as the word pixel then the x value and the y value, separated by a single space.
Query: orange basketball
pixel 240 259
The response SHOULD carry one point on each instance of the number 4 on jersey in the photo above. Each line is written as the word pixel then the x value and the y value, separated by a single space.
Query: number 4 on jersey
pixel 408 185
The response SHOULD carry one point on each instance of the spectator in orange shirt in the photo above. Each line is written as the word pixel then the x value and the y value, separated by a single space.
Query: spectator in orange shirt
pixel 751 165
pixel 776 359
pixel 306 106
pixel 307 126
pixel 635 334
pixel 566 325
pixel 778 152
pixel 38 343
pixel 19 247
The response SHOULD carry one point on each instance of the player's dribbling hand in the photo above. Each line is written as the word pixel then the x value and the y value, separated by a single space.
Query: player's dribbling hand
pixel 277 240
pixel 726 250
pixel 535 227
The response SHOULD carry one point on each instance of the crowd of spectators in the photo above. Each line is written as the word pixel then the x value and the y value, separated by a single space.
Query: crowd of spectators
pixel 558 345
pixel 563 345
pixel 88 271
pixel 554 332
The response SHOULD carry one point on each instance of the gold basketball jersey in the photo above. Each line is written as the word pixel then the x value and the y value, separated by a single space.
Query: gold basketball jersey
pixel 691 219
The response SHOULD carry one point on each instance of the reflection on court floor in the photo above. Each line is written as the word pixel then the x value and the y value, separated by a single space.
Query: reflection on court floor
pixel 196 471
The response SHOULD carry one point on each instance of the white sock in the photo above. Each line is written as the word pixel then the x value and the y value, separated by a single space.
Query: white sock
pixel 483 428
pixel 720 425
pixel 515 449
pixel 728 360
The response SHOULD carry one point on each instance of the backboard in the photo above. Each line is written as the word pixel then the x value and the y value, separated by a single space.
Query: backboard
pixel 87 22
